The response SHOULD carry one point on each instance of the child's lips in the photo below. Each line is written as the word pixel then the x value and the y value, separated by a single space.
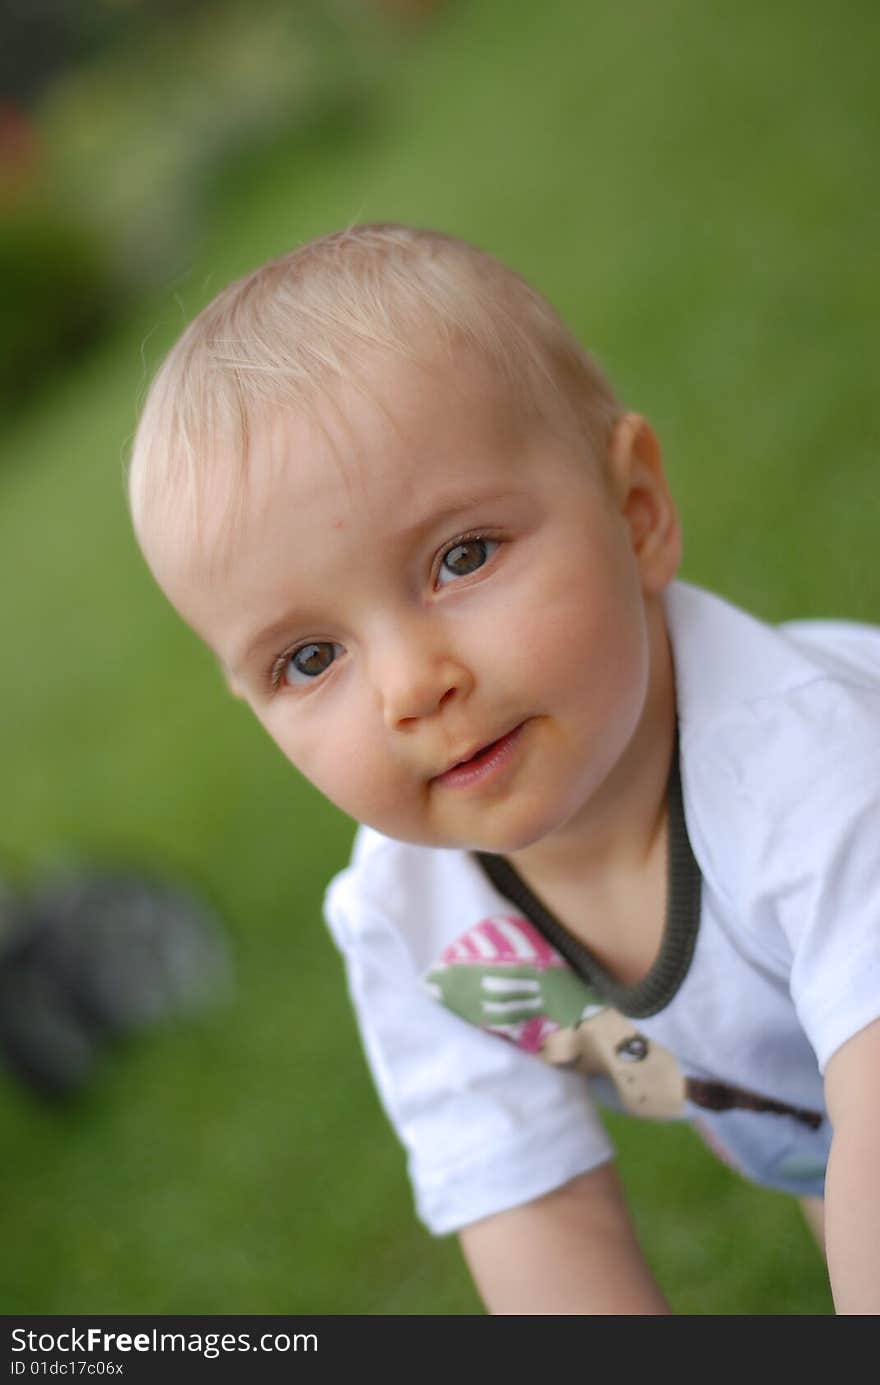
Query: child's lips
pixel 483 763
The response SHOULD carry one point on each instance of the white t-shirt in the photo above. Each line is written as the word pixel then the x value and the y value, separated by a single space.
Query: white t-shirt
pixel 780 772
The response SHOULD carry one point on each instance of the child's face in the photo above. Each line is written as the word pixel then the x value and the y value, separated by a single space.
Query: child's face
pixel 425 581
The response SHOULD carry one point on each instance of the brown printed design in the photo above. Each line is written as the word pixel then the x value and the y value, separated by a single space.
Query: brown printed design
pixel 503 976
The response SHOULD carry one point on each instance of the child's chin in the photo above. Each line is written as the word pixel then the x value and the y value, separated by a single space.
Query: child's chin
pixel 500 832
pixel 504 839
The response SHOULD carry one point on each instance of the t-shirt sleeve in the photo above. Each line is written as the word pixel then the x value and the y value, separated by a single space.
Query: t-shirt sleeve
pixel 486 1126
pixel 831 917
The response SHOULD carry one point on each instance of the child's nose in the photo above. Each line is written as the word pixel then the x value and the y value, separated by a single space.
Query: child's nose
pixel 417 678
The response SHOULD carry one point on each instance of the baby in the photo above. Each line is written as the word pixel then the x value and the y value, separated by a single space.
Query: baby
pixel 619 839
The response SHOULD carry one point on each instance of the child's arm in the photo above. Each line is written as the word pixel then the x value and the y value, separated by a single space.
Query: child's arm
pixel 852 1186
pixel 571 1252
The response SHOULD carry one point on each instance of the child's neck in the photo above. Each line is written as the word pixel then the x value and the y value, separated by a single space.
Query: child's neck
pixel 604 873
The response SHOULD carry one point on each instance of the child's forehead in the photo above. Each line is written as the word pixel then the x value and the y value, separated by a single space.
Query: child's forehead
pixel 397 420
pixel 400 433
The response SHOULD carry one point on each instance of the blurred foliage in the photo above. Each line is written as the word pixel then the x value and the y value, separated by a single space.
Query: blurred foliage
pixel 42 38
pixel 131 144
pixel 56 299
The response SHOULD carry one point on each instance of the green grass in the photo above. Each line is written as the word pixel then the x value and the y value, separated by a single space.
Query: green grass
pixel 693 185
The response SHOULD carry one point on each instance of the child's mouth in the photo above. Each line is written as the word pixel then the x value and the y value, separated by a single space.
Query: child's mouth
pixel 483 764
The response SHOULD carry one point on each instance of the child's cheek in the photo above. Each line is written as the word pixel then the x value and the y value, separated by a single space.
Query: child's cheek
pixel 342 757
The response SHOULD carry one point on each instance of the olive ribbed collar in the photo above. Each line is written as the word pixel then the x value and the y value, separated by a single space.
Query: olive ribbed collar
pixel 670 967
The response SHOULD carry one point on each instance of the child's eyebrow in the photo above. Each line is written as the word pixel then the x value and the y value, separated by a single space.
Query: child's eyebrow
pixel 266 638
pixel 443 513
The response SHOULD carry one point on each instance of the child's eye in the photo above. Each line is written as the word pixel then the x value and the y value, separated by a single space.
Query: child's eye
pixel 465 557
pixel 305 664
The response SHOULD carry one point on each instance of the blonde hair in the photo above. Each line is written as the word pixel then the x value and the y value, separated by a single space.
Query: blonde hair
pixel 287 332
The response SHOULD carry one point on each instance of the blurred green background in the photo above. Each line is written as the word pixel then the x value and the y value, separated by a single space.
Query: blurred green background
pixel 694 185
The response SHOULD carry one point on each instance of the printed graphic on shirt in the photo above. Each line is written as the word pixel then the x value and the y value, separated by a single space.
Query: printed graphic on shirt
pixel 503 976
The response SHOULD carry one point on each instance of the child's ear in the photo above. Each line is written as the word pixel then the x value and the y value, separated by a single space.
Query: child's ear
pixel 642 494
